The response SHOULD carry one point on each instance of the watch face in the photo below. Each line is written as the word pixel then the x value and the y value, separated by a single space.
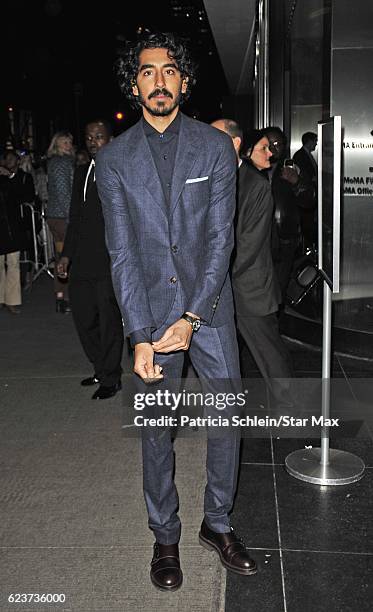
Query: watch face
pixel 196 325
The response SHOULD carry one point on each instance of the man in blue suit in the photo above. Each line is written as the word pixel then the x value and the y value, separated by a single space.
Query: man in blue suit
pixel 167 187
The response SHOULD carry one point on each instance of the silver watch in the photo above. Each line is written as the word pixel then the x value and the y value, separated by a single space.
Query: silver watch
pixel 193 321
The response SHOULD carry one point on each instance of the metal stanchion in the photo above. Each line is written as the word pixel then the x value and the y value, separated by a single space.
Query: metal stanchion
pixel 46 244
pixel 40 261
pixel 325 466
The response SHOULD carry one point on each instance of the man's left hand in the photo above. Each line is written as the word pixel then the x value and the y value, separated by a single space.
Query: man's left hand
pixel 176 338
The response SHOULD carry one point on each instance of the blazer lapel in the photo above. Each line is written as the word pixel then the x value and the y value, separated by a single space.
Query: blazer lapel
pixel 187 151
pixel 144 166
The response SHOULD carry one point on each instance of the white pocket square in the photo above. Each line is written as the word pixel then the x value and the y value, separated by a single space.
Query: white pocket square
pixel 197 180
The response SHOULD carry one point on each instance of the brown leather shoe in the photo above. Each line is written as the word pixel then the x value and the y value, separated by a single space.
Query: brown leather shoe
pixel 231 550
pixel 165 572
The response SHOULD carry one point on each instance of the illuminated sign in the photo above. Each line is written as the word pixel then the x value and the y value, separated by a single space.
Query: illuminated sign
pixel 358 167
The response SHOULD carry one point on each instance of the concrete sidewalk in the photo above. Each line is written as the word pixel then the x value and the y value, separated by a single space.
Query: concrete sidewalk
pixel 72 508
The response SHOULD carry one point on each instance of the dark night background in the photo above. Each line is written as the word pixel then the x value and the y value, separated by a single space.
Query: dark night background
pixel 58 58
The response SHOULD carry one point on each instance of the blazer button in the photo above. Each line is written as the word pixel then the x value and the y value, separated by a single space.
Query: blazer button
pixel 173 279
pixel 174 248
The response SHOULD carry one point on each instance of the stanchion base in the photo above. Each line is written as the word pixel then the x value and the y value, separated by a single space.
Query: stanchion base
pixel 343 468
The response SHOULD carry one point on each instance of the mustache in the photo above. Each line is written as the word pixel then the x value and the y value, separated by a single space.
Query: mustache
pixel 160 92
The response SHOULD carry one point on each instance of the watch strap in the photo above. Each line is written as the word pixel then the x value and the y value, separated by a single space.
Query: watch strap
pixel 195 322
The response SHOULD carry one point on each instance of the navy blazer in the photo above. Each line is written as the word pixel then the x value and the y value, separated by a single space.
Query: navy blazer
pixel 155 248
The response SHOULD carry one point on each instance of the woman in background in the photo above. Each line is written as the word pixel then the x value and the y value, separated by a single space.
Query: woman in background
pixel 61 160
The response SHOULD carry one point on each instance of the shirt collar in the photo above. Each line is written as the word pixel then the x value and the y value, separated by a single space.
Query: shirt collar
pixel 173 128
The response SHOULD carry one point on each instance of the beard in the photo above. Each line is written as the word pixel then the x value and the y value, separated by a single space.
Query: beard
pixel 160 110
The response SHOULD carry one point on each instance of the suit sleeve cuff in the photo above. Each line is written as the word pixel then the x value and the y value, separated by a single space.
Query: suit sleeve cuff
pixel 141 335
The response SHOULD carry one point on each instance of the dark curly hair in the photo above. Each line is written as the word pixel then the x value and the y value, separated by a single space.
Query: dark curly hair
pixel 127 64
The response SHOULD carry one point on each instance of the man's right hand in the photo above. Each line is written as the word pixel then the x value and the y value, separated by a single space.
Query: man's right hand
pixel 62 266
pixel 144 363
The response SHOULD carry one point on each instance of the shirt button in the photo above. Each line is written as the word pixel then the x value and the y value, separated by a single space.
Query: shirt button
pixel 164 156
pixel 174 248
pixel 168 185
pixel 173 279
pixel 160 135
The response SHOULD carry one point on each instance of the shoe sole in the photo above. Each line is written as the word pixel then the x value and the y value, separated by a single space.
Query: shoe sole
pixel 211 546
pixel 169 589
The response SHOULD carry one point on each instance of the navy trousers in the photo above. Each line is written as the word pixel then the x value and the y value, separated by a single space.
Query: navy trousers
pixel 214 356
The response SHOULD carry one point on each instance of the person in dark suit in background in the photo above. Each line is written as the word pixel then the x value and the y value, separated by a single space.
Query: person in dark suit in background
pixel 255 286
pixel 286 235
pixel 307 198
pixel 304 158
pixel 167 187
pixel 93 303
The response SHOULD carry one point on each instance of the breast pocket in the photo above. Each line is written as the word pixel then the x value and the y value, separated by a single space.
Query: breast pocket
pixel 196 190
